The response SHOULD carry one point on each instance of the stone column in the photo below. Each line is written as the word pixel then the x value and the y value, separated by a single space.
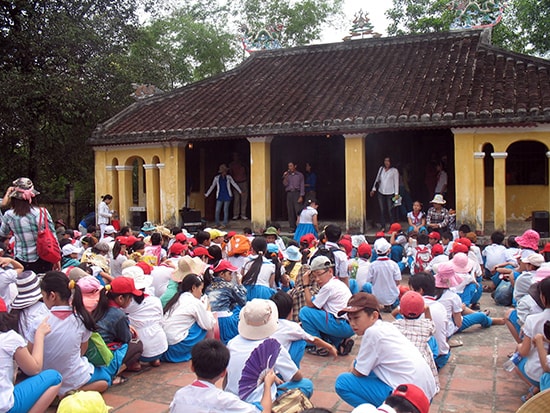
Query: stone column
pixel 260 180
pixel 152 192
pixel 124 193
pixel 356 192
pixel 500 190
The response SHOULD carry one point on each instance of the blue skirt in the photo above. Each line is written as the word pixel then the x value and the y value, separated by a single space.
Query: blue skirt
pixel 304 229
pixel 258 291
pixel 181 351
pixel 229 326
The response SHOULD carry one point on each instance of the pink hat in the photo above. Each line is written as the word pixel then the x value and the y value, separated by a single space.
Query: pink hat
pixel 446 276
pixel 542 273
pixel 91 289
pixel 461 263
pixel 529 239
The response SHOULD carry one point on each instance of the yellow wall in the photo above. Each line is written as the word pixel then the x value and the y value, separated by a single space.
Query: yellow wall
pixel 521 201
pixel 356 195
pixel 260 181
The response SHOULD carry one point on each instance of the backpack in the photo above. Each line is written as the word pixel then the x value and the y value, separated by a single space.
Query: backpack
pixel 291 401
pixel 423 258
pixel 323 251
pixel 238 245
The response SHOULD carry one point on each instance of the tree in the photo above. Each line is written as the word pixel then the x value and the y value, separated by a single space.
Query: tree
pixel 524 28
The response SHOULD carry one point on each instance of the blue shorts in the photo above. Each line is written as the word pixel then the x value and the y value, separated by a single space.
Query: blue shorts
pixel 27 393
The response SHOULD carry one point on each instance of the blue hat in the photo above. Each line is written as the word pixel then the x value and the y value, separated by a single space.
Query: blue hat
pixel 148 226
pixel 272 248
pixel 292 253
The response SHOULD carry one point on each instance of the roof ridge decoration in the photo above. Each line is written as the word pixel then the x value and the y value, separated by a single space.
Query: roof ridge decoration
pixel 268 38
pixel 476 14
pixel 361 27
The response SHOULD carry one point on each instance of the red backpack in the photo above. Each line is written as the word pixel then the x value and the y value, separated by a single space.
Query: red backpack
pixel 423 258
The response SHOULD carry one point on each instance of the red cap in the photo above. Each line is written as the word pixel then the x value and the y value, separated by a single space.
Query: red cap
pixel 145 267
pixel 380 234
pixel 177 248
pixel 308 238
pixel 125 285
pixel 465 241
pixel 3 307
pixel 192 241
pixel 224 265
pixel 181 237
pixel 346 243
pixel 395 227
pixel 128 241
pixel 437 249
pixel 201 251
pixel 364 249
pixel 546 248
pixel 411 304
pixel 434 235
pixel 415 395
pixel 459 247
pixel 231 233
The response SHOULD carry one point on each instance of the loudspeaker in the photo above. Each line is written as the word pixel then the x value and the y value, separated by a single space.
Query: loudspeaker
pixel 541 223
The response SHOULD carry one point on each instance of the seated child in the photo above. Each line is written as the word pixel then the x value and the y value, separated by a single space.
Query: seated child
pixel 209 360
pixel 417 219
pixel 253 348
pixel 292 336
pixel 541 341
pixel 385 360
pixel 359 267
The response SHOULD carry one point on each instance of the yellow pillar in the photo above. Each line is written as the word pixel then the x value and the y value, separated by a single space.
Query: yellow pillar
pixel 356 193
pixel 500 190
pixel 548 156
pixel 260 180
pixel 124 196
pixel 465 177
pixel 172 183
pixel 479 173
pixel 151 195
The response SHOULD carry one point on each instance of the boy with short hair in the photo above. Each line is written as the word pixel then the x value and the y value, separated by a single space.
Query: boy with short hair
pixel 209 360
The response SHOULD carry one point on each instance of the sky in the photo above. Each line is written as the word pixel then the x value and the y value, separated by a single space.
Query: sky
pixel 375 10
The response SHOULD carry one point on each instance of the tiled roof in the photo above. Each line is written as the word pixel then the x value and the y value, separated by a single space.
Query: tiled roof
pixel 450 79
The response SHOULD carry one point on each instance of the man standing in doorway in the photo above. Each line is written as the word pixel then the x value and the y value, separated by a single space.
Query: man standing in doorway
pixel 240 200
pixel 387 186
pixel 294 187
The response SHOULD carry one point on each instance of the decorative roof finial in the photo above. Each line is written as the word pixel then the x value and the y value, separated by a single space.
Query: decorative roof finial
pixel 361 27
pixel 476 14
pixel 265 39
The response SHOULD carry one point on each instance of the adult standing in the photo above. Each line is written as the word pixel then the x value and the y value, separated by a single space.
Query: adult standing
pixel 310 182
pixel 223 183
pixel 294 184
pixel 240 176
pixel 22 219
pixel 437 218
pixel 442 180
pixel 104 213
pixel 387 186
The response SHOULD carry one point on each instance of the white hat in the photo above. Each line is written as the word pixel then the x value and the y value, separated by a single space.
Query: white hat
pixel 321 263
pixel 69 249
pixel 109 229
pixel 382 246
pixel 438 199
pixel 140 279
pixel 258 319
pixel 28 290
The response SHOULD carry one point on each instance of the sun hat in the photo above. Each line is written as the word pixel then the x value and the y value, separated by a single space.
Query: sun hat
pixel 76 273
pixel 28 290
pixel 415 395
pixel 437 249
pixel 395 227
pixel 188 265
pixel 258 319
pixel 272 248
pixel 148 226
pixel 461 263
pixel 320 263
pixel 145 267
pixel 3 307
pixel 438 199
pixel 216 233
pixel 140 279
pixel 23 189
pixel 435 235
pixel 83 402
pixel 529 239
pixel 125 285
pixel 201 251
pixel 360 301
pixel 364 249
pixel 292 253
pixel 382 246
pixel 446 276
pixel 177 248
pixel 102 246
pixel 70 249
pixel 91 289
pixel 271 231
pixel 534 259
pixel 128 263
pixel 109 230
pixel 542 273
pixel 224 265
pixel 411 304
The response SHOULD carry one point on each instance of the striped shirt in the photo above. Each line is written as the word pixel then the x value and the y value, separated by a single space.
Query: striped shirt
pixel 25 230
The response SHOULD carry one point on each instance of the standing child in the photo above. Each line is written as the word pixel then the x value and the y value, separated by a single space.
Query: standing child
pixel 307 221
pixel 34 394
pixel 417 219
pixel 71 326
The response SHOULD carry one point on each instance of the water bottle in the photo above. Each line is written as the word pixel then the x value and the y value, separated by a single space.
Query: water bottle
pixel 512 362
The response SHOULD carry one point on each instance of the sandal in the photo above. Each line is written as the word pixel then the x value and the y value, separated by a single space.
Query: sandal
pixel 530 393
pixel 155 363
pixel 119 380
pixel 322 352
pixel 475 306
pixel 134 367
pixel 488 289
pixel 345 347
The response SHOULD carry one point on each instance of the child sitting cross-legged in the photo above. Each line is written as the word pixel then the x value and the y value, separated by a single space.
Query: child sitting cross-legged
pixel 209 360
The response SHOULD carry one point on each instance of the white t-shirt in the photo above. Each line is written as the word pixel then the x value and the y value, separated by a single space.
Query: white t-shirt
pixel 7 280
pixel 362 271
pixel 10 341
pixel 266 270
pixel 161 276
pixel 439 317
pixel 241 349
pixel 393 358
pixel 62 348
pixel 185 312
pixel 415 219
pixel 307 214
pixel 534 324
pixel 116 265
pixel 453 304
pixel 383 274
pixel 332 297
pixel 494 254
pixel 147 320
pixel 29 318
pixel 288 332
pixel 204 397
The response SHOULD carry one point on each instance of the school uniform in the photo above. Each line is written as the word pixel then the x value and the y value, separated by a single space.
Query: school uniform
pixel 146 318
pixel 453 304
pixel 323 320
pixel 30 316
pixel 8 288
pixel 185 324
pixel 204 397
pixel 62 350
pixel 293 338
pixel 386 359
pixel 161 277
pixel 383 274
pixel 534 324
pixel 305 225
pixel 262 287
pixel 439 317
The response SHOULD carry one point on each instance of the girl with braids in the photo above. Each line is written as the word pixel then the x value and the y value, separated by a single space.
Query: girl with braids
pixel 258 272
pixel 114 327
pixel 35 393
pixel 71 327
pixel 307 221
pixel 186 319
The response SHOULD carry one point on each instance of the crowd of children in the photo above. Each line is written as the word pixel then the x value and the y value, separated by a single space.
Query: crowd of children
pixel 233 302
